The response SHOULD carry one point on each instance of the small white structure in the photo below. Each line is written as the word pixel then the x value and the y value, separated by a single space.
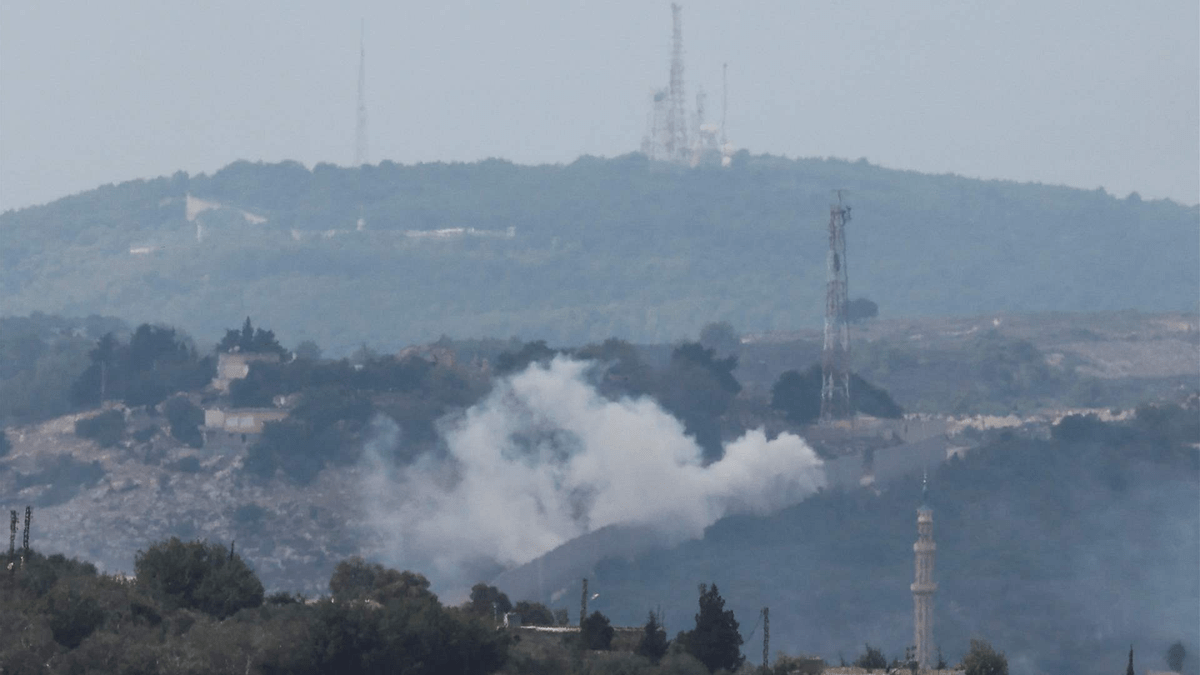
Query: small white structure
pixel 241 420
pixel 236 365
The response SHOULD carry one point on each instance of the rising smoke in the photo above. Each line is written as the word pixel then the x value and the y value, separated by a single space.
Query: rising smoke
pixel 545 458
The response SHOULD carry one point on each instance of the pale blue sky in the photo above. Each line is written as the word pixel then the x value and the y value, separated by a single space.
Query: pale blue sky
pixel 1088 94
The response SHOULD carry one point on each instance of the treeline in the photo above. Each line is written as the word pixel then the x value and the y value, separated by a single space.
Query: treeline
pixel 197 608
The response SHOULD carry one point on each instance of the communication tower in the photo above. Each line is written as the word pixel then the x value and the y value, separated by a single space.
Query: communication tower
pixel 677 133
pixel 360 130
pixel 835 357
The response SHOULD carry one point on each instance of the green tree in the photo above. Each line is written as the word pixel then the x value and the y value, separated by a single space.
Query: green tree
pixel 71 615
pixel 107 428
pixel 859 309
pixel 185 418
pixel 653 644
pixel 198 575
pixel 721 338
pixel 715 641
pixel 871 658
pixel 798 395
pixel 981 659
pixel 1129 669
pixel 1176 654
pixel 534 614
pixel 530 352
pixel 250 339
pixel 488 601
pixel 595 632
pixel 308 350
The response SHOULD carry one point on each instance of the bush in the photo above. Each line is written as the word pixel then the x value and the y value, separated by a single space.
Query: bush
pixel 198 575
pixel 106 429
pixel 983 660
pixel 871 658
pixel 185 418
pixel 72 616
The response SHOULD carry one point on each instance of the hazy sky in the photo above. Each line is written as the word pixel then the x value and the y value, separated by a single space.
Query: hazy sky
pixel 1090 93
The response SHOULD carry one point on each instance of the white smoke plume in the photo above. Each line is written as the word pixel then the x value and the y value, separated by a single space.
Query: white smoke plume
pixel 545 458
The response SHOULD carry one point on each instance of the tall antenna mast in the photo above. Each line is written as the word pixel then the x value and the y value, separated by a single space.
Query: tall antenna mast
pixel 677 134
pixel 835 357
pixel 724 100
pixel 360 131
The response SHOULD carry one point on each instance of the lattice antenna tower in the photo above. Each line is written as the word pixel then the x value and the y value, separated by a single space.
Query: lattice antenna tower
pixel 360 128
pixel 835 357
pixel 677 132
pixel 724 100
pixel 25 534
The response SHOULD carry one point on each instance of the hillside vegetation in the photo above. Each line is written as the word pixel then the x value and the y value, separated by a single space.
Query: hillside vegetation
pixel 597 248
pixel 1062 551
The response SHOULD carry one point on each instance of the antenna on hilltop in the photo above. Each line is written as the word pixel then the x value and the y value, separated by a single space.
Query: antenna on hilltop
pixel 677 133
pixel 835 357
pixel 360 131
pixel 724 101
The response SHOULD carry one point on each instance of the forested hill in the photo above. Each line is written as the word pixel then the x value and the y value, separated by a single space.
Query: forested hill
pixel 625 247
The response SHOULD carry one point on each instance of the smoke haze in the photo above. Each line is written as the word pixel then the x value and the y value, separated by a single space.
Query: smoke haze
pixel 546 458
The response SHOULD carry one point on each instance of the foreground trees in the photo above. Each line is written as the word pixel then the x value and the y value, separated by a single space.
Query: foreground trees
pixel 715 641
pixel 197 608
pixel 983 660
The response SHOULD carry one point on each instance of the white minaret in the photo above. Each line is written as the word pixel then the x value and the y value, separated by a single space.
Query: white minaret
pixel 923 587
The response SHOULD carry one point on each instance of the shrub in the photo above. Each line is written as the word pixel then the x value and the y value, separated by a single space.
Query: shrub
pixel 871 658
pixel 72 616
pixel 185 418
pixel 106 429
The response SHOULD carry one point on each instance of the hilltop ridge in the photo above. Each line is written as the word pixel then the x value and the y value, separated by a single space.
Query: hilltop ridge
pixel 650 252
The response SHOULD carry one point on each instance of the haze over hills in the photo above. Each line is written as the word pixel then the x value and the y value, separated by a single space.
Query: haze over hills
pixel 394 254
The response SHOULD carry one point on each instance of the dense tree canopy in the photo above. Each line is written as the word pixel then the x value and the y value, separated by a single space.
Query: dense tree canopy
pixel 198 575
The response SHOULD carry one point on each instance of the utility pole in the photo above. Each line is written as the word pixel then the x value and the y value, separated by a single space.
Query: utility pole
pixel 835 357
pixel 583 604
pixel 766 638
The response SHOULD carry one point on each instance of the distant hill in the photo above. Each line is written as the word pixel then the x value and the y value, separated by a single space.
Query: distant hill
pixel 576 253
